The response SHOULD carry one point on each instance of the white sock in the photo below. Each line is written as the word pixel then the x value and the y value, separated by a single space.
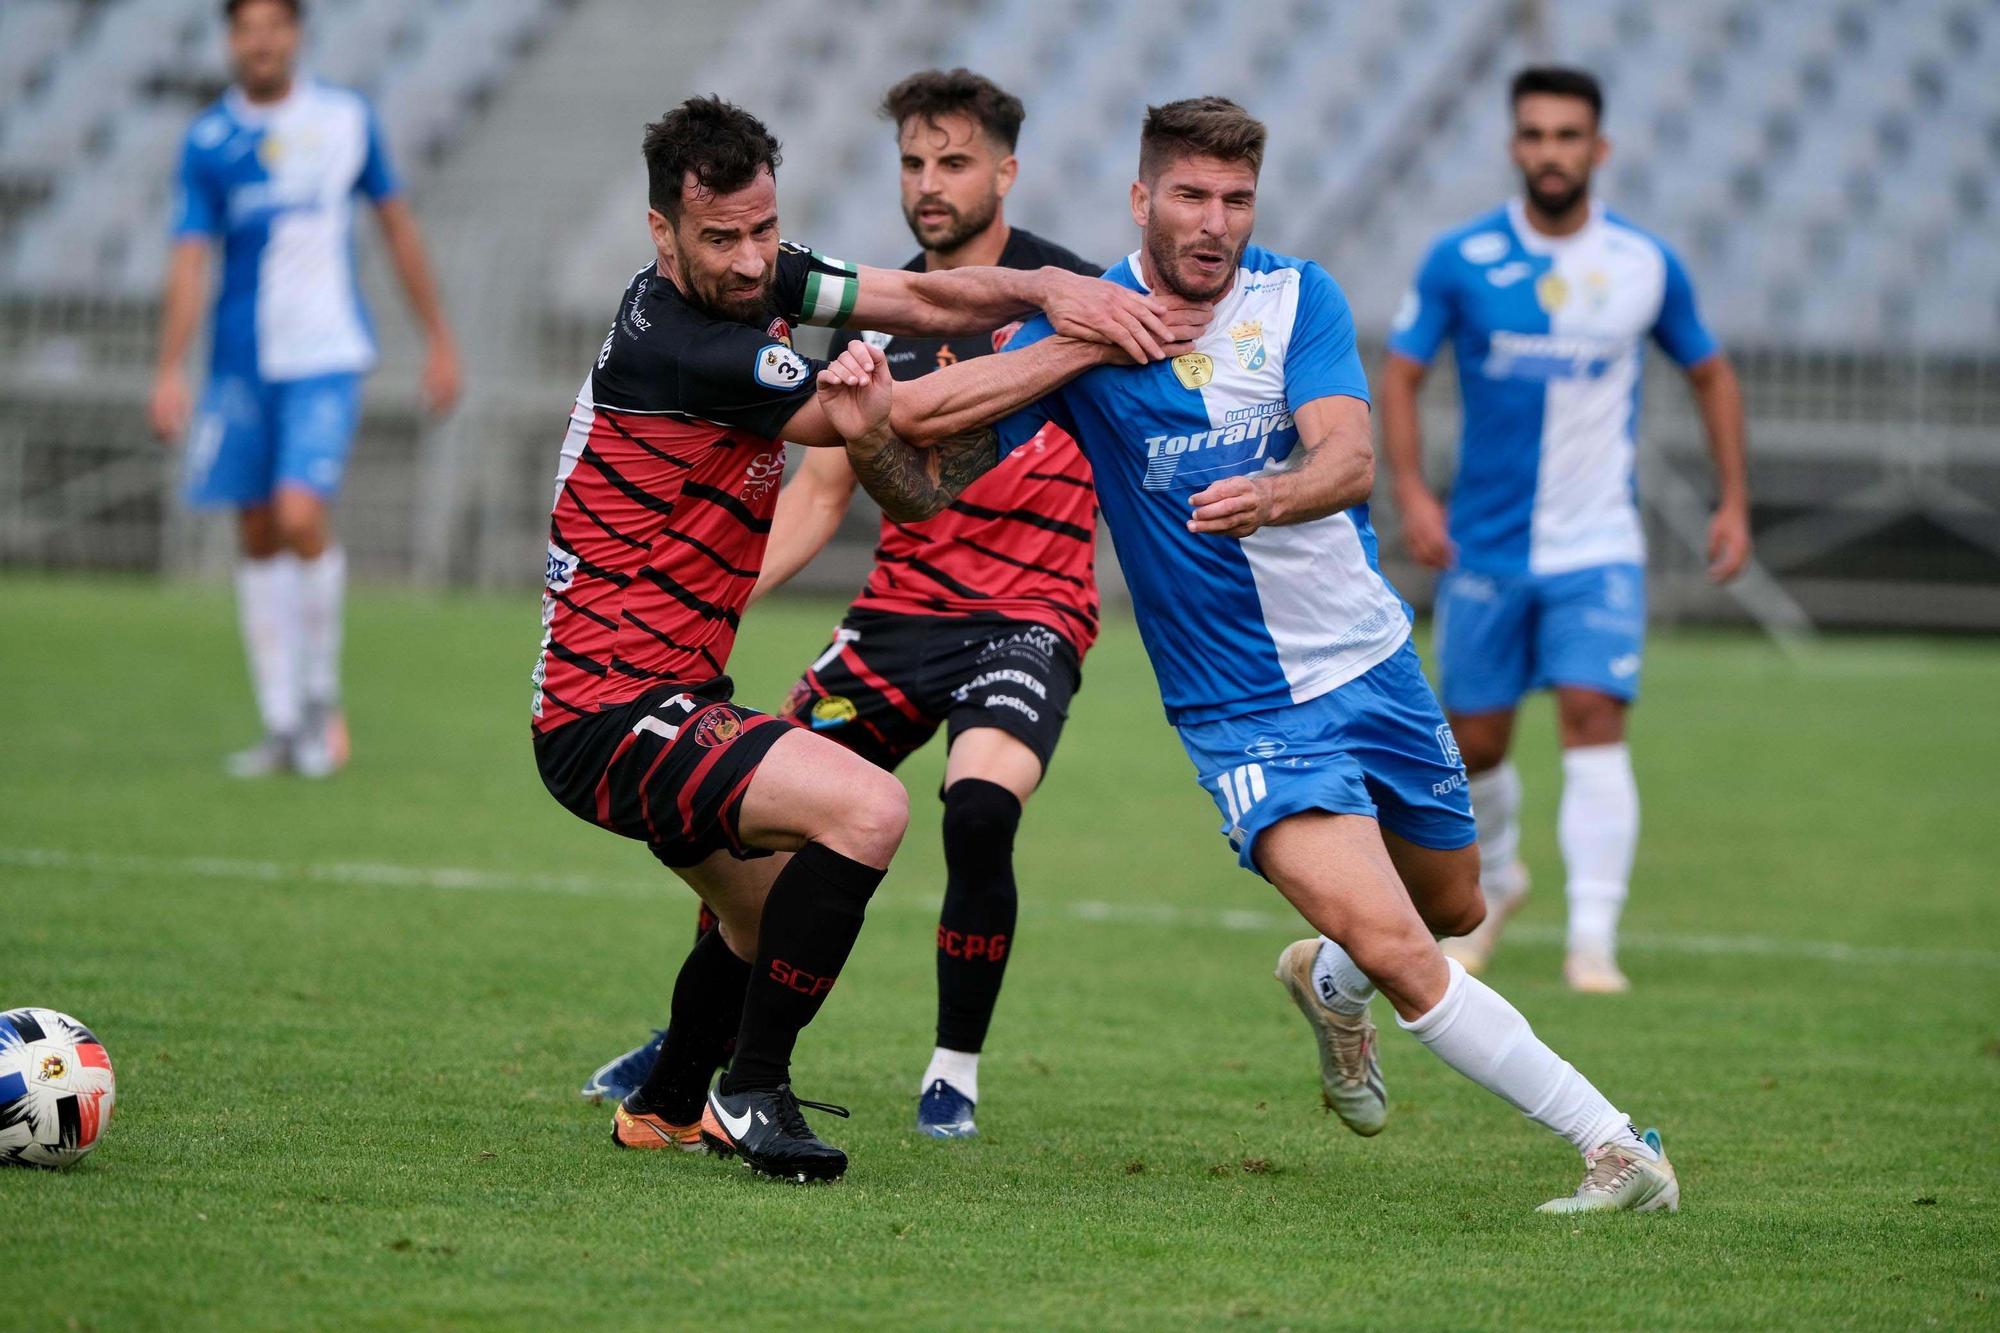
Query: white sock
pixel 322 585
pixel 1343 987
pixel 1598 827
pixel 1496 811
pixel 267 600
pixel 1483 1037
pixel 958 1068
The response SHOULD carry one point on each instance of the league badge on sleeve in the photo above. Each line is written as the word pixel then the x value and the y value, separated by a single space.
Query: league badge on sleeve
pixel 780 368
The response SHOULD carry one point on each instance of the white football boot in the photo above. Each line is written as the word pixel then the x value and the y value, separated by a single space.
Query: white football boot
pixel 268 758
pixel 1594 972
pixel 1350 1077
pixel 1503 898
pixel 1619 1180
pixel 322 747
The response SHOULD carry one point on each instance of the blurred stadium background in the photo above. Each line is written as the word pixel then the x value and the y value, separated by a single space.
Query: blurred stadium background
pixel 1829 169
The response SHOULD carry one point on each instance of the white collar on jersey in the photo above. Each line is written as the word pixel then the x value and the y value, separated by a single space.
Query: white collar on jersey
pixel 248 112
pixel 1540 242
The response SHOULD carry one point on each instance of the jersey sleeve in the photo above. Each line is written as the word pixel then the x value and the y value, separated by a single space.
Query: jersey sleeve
pixel 198 204
pixel 1428 310
pixel 1016 430
pixel 1322 361
pixel 738 376
pixel 1679 330
pixel 813 288
pixel 378 179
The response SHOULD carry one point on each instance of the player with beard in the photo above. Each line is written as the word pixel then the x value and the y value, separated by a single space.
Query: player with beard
pixel 664 494
pixel 976 620
pixel 1548 302
pixel 1235 480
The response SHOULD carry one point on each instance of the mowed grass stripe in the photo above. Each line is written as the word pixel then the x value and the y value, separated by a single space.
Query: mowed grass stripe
pixel 459 879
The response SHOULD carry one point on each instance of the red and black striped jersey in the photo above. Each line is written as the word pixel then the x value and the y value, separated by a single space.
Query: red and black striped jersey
pixel 665 486
pixel 1021 542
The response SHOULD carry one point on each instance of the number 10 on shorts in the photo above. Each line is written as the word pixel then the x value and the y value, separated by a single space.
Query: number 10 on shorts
pixel 1241 788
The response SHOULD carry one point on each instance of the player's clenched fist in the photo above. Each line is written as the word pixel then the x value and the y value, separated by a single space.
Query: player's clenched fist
pixel 1094 310
pixel 1232 507
pixel 855 392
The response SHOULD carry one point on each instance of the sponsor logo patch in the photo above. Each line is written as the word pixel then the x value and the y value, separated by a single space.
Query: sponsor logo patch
pixel 52 1069
pixel 561 569
pixel 779 367
pixel 1449 744
pixel 1483 247
pixel 1265 747
pixel 1506 275
pixel 836 710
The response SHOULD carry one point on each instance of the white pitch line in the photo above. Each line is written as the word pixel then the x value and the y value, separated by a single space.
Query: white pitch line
pixel 363 874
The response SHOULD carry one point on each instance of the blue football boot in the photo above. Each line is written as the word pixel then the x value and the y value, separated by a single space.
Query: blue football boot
pixel 619 1079
pixel 943 1112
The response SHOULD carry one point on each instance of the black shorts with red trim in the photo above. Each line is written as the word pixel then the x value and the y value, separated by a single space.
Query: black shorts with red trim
pixel 669 768
pixel 887 682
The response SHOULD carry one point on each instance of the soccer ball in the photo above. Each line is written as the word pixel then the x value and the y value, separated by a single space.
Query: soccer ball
pixel 56 1090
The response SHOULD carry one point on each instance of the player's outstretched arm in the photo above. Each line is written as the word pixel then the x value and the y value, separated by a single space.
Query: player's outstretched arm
pixel 809 512
pixel 1338 472
pixel 1720 400
pixel 956 301
pixel 910 483
pixel 413 269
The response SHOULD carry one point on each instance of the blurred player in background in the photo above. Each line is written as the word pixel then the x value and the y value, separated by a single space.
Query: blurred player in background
pixel 665 490
pixel 1236 480
pixel 272 171
pixel 1548 302
pixel 976 620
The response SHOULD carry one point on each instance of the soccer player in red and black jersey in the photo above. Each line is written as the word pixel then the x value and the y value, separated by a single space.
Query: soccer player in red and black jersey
pixel 977 619
pixel 664 497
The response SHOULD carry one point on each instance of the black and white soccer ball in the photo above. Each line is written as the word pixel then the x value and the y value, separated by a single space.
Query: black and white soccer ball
pixel 56 1088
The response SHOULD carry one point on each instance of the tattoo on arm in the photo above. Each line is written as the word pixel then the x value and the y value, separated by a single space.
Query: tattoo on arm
pixel 913 484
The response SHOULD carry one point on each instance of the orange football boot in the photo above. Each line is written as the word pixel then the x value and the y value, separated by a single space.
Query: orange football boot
pixel 642 1129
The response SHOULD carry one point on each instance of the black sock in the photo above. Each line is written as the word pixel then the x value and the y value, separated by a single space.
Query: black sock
pixel 810 923
pixel 976 928
pixel 707 1010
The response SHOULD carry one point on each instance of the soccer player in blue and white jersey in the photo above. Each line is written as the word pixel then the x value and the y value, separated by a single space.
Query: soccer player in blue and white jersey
pixel 272 172
pixel 1235 478
pixel 1548 302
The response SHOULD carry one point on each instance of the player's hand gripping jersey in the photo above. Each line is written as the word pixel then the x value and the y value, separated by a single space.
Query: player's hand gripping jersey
pixel 276 185
pixel 1020 542
pixel 665 487
pixel 1548 333
pixel 1283 615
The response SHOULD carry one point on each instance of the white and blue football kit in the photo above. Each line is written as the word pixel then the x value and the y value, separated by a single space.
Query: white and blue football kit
pixel 1548 333
pixel 277 185
pixel 1283 658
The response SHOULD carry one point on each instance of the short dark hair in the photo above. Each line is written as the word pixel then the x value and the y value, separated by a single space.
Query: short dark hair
pixel 721 143
pixel 1199 127
pixel 957 92
pixel 1561 81
pixel 229 8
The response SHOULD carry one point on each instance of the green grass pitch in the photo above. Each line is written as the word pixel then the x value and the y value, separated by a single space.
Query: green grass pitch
pixel 349 1021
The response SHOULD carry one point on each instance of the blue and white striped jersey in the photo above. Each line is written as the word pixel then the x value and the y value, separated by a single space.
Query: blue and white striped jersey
pixel 1548 334
pixel 276 185
pixel 1283 615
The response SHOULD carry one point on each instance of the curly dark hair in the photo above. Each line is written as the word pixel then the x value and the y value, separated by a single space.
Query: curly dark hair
pixel 936 92
pixel 721 143
pixel 1199 127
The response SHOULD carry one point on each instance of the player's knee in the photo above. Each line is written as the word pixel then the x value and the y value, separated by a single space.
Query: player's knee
pixel 980 819
pixel 1480 751
pixel 301 524
pixel 1584 717
pixel 876 817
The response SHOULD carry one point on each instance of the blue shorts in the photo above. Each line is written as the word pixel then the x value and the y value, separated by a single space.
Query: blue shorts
pixel 1502 635
pixel 253 436
pixel 1377 746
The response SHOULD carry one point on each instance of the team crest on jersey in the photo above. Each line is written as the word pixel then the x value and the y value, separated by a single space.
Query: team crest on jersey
pixel 1552 291
pixel 780 368
pixel 780 330
pixel 718 728
pixel 1248 339
pixel 1193 369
